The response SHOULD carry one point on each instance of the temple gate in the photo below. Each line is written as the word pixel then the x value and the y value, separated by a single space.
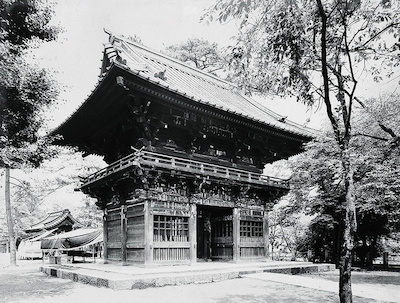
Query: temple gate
pixel 186 152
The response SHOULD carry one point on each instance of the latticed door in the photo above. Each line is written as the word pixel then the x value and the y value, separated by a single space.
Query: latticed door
pixel 222 238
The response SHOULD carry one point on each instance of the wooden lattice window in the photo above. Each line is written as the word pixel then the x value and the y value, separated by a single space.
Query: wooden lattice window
pixel 251 229
pixel 222 229
pixel 171 228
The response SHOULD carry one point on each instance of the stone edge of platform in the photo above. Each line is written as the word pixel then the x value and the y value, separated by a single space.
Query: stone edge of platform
pixel 172 279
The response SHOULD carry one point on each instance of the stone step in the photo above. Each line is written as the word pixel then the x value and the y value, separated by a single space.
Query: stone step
pixel 123 281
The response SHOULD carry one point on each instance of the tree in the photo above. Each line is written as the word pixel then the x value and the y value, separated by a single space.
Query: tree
pixel 25 90
pixel 89 215
pixel 287 229
pixel 200 53
pixel 379 159
pixel 317 50
pixel 52 187
pixel 376 162
pixel 135 38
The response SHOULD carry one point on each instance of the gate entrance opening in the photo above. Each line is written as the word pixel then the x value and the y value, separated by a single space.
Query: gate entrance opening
pixel 214 233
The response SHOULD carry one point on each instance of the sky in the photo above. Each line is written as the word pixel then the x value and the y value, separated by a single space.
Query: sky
pixel 76 55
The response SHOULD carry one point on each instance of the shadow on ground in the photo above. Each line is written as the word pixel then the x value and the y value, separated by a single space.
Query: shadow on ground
pixel 365 277
pixel 18 285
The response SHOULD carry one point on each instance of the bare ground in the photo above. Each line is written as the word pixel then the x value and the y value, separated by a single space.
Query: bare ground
pixel 26 284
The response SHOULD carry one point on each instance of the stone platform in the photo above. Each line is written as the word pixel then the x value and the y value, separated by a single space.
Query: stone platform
pixel 118 277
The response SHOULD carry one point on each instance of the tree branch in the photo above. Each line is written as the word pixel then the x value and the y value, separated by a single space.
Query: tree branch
pixel 387 130
pixel 351 96
pixel 325 71
pixel 371 136
pixel 360 47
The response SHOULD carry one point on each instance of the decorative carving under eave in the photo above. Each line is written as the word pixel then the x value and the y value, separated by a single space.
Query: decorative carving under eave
pixel 150 123
pixel 98 194
pixel 140 177
pixel 114 195
pixel 115 198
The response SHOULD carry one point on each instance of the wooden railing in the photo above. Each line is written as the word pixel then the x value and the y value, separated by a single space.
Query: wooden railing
pixel 144 158
pixel 121 164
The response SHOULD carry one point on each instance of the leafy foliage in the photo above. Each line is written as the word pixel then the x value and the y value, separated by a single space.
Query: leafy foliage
pixel 88 214
pixel 51 187
pixel 25 89
pixel 377 138
pixel 279 45
pixel 135 38
pixel 288 231
pixel 25 21
pixel 198 52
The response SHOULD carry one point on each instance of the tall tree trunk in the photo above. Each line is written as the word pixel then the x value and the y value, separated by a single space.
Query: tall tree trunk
pixel 345 292
pixel 10 221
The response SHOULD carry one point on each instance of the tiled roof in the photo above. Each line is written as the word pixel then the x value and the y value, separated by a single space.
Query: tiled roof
pixel 194 84
pixel 52 220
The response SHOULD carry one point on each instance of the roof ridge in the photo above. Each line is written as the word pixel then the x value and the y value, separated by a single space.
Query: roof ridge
pixel 212 78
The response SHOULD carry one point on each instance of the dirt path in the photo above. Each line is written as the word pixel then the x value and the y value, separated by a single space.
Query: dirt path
pixel 26 284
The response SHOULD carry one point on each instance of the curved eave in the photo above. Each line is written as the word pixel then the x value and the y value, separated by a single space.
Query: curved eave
pixel 84 104
pixel 94 104
pixel 53 223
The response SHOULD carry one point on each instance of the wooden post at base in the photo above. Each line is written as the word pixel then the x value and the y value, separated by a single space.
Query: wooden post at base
pixel 105 236
pixel 266 234
pixel 386 260
pixel 148 233
pixel 123 234
pixel 193 233
pixel 236 234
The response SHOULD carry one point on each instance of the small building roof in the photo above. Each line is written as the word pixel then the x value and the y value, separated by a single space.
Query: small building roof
pixel 56 220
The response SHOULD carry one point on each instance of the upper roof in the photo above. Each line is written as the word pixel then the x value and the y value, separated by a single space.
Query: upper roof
pixel 54 220
pixel 192 83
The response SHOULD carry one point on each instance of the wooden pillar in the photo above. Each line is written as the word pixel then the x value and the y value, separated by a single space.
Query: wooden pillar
pixel 193 233
pixel 236 234
pixel 105 236
pixel 148 233
pixel 266 234
pixel 123 234
pixel 386 260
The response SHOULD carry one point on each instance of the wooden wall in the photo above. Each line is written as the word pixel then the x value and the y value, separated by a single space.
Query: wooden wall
pixel 135 233
pixel 160 231
pixel 252 234
pixel 114 235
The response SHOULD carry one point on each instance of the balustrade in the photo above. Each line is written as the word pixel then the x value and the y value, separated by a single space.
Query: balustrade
pixel 144 158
